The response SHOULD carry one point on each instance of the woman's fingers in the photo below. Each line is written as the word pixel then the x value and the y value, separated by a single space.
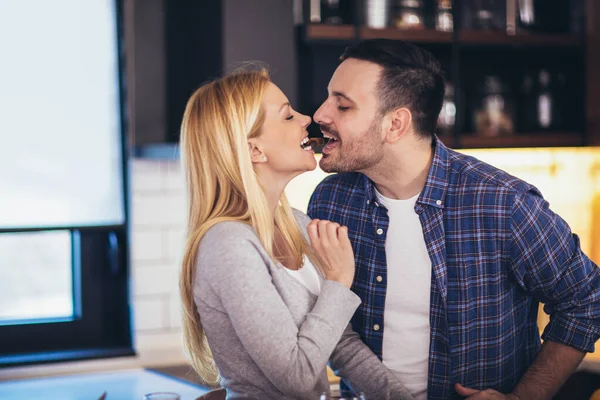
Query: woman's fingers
pixel 323 233
pixel 343 236
pixel 324 236
pixel 313 231
pixel 332 232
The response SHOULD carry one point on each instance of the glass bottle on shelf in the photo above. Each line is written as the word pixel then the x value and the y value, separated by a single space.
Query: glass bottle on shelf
pixel 540 108
pixel 447 116
pixel 528 15
pixel 331 12
pixel 493 115
pixel 548 110
pixel 485 15
pixel 410 14
pixel 444 21
pixel 377 13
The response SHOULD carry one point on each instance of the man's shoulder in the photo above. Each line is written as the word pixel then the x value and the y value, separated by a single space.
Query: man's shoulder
pixel 346 181
pixel 466 171
pixel 335 193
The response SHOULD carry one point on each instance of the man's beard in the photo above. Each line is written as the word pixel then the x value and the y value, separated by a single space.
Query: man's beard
pixel 357 156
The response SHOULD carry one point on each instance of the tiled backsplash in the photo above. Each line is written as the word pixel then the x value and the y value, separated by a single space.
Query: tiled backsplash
pixel 568 178
pixel 158 225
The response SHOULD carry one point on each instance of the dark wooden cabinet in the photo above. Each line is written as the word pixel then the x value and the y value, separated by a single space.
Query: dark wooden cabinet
pixel 174 46
pixel 568 50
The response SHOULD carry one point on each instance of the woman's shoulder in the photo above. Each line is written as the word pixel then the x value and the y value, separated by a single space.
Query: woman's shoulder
pixel 301 218
pixel 227 240
pixel 228 230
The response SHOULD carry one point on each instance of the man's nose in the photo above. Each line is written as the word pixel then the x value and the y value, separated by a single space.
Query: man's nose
pixel 321 115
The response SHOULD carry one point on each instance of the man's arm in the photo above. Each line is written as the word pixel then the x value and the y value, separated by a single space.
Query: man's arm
pixel 548 263
pixel 550 370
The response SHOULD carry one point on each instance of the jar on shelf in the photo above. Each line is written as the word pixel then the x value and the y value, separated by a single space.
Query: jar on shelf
pixel 444 21
pixel 494 110
pixel 409 14
pixel 447 117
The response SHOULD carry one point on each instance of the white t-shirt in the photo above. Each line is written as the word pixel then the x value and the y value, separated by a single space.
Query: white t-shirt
pixel 406 315
pixel 308 276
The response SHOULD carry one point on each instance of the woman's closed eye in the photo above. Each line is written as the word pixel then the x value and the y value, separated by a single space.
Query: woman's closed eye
pixel 342 108
pixel 291 117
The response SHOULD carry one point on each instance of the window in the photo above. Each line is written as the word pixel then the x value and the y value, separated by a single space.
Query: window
pixel 63 179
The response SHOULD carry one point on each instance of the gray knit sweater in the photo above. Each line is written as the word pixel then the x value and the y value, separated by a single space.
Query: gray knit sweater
pixel 271 338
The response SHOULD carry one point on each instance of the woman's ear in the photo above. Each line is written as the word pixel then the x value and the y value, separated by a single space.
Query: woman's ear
pixel 256 154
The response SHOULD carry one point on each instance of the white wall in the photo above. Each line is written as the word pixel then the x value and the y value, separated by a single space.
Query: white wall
pixel 158 225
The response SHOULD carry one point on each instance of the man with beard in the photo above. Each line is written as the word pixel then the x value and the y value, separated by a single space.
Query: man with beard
pixel 452 255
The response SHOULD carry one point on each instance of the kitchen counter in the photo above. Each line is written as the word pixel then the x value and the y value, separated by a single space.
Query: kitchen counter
pixel 119 385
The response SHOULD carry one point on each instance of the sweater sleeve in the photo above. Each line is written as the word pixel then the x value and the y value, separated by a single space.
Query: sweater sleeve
pixel 353 361
pixel 291 358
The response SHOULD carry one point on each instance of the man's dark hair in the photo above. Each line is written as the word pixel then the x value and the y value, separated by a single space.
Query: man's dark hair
pixel 411 77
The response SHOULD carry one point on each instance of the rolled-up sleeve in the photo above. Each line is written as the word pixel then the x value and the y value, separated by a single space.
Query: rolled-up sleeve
pixel 547 261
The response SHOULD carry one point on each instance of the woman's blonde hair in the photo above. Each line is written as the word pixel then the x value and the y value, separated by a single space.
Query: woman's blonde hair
pixel 219 119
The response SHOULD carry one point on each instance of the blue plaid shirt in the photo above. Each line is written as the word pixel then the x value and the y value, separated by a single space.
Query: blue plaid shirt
pixel 496 251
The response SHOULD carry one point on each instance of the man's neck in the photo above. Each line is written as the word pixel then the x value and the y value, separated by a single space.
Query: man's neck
pixel 402 174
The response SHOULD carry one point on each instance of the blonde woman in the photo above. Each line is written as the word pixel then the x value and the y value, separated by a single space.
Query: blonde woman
pixel 270 309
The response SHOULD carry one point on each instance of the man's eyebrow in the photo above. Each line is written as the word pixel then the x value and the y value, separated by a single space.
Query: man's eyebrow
pixel 342 95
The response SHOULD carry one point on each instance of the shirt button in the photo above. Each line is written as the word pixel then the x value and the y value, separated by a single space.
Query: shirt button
pixel 368 201
pixel 438 202
pixel 376 327
pixel 380 231
pixel 376 204
pixel 379 278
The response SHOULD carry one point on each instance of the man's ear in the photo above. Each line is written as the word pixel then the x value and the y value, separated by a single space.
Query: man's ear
pixel 256 154
pixel 399 122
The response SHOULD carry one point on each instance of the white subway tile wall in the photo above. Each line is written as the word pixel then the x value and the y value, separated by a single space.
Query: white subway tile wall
pixel 158 226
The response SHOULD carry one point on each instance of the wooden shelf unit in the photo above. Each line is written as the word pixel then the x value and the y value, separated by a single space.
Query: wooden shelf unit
pixel 409 35
pixel 585 46
pixel 315 32
pixel 329 32
pixel 468 37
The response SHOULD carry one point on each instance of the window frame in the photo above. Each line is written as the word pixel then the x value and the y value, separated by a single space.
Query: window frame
pixel 101 326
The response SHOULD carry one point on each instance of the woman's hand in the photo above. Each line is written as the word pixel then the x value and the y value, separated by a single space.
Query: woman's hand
pixel 333 250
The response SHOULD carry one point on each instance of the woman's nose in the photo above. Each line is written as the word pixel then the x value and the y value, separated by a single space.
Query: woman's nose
pixel 307 121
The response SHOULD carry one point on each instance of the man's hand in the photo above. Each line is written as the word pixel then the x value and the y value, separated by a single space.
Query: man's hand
pixel 550 369
pixel 487 394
